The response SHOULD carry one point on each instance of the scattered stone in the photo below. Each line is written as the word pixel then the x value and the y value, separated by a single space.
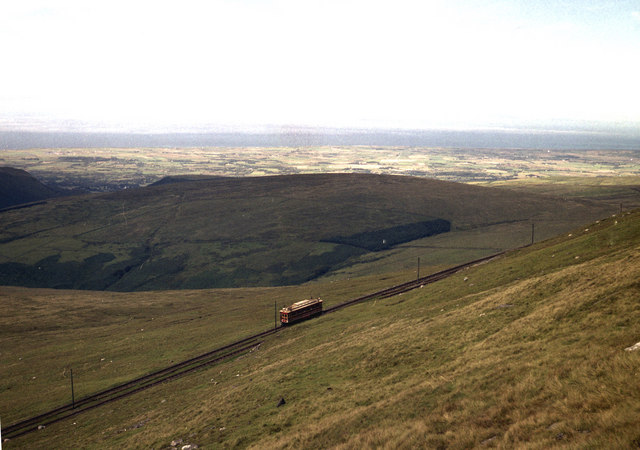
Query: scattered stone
pixel 41 427
pixel 466 278
pixel 577 257
pixel 163 401
pixel 504 305
pixel 176 442
pixel 488 441
pixel 281 402
pixel 223 428
pixel 189 447
pixel 138 425
pixel 633 348
pixel 554 425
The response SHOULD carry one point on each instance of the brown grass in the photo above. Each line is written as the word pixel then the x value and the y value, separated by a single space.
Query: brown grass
pixel 527 352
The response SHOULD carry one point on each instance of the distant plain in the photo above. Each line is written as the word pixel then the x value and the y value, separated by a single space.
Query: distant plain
pixel 107 169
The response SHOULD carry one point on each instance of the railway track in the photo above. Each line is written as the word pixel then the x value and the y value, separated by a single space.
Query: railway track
pixel 215 356
pixel 410 285
pixel 133 386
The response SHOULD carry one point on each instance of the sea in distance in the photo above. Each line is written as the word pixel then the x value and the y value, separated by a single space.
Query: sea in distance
pixel 307 137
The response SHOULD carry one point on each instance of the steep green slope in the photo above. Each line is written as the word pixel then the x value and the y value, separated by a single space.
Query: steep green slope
pixel 228 232
pixel 527 350
pixel 18 186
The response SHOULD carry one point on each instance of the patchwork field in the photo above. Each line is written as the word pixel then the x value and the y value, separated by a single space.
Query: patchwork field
pixel 116 168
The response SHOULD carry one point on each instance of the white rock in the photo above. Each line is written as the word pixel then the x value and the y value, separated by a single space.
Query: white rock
pixel 633 347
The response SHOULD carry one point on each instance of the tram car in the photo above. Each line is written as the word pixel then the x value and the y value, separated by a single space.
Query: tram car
pixel 304 309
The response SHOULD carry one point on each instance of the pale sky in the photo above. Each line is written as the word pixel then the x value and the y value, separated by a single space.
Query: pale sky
pixel 345 63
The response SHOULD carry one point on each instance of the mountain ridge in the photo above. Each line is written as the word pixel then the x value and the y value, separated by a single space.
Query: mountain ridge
pixel 18 187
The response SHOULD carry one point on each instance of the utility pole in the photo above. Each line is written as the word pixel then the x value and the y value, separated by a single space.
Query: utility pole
pixel 275 314
pixel 418 268
pixel 73 398
pixel 532 232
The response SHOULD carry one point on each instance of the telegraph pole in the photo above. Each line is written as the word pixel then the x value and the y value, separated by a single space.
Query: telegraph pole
pixel 532 232
pixel 275 315
pixel 73 398
pixel 418 268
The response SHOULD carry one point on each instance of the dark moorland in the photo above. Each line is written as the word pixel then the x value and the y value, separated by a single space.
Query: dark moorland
pixel 260 231
pixel 18 187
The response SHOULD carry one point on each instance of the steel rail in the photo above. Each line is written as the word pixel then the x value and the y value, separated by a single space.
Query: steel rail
pixel 128 388
pixel 176 370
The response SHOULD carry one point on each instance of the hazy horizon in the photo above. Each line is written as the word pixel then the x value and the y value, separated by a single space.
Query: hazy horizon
pixel 315 136
pixel 147 67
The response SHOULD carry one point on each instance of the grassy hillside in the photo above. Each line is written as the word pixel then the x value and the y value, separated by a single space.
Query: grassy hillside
pixel 526 350
pixel 229 232
pixel 108 337
pixel 616 190
pixel 18 186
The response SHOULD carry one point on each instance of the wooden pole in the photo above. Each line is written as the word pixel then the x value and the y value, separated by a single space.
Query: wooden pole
pixel 532 232
pixel 73 398
pixel 275 315
pixel 418 268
